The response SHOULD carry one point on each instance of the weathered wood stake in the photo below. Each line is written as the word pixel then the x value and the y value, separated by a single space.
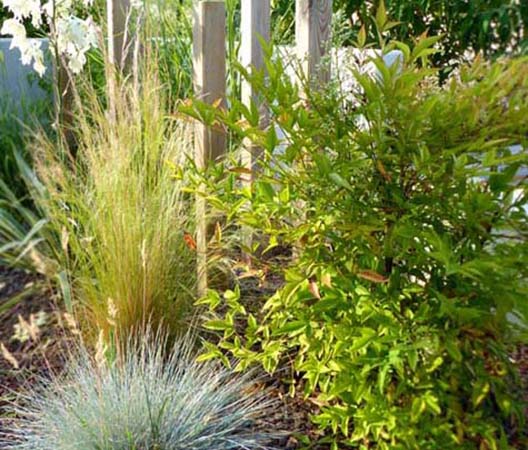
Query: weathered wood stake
pixel 209 67
pixel 255 25
pixel 121 13
pixel 312 33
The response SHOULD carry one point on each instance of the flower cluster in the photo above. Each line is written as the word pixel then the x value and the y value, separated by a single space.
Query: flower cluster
pixel 71 35
pixel 75 37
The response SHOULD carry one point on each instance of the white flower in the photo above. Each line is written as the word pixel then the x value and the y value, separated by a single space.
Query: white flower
pixel 33 52
pixel 30 49
pixel 77 62
pixel 48 8
pixel 38 66
pixel 74 38
pixel 25 9
pixel 15 29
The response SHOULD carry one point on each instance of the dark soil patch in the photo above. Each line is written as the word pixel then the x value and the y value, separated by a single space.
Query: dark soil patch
pixel 33 335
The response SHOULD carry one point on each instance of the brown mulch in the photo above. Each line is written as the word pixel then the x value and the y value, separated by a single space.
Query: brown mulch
pixel 37 349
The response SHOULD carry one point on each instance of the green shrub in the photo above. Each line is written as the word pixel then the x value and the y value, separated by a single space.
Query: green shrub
pixel 149 401
pixel 410 231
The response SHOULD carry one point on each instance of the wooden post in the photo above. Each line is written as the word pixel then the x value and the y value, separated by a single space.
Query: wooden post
pixel 312 33
pixel 255 25
pixel 110 66
pixel 117 17
pixel 122 34
pixel 118 32
pixel 209 71
pixel 209 68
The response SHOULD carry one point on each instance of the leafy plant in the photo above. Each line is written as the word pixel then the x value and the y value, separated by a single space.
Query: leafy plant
pixel 6 14
pixel 22 225
pixel 147 401
pixel 26 241
pixel 493 27
pixel 20 115
pixel 403 203
pixel 169 27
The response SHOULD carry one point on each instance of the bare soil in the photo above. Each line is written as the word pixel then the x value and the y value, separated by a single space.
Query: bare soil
pixel 37 349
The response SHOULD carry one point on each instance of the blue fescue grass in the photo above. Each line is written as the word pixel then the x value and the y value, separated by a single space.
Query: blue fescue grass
pixel 151 400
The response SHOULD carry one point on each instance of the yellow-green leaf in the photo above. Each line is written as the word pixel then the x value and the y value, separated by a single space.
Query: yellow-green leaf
pixel 362 37
pixel 381 15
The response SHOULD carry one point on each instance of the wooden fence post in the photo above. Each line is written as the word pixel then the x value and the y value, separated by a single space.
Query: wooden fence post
pixel 209 72
pixel 122 33
pixel 255 25
pixel 312 32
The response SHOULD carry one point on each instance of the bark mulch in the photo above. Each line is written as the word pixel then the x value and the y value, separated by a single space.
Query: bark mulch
pixel 33 333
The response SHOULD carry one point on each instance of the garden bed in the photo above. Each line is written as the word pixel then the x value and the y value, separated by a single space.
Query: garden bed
pixel 47 354
pixel 390 327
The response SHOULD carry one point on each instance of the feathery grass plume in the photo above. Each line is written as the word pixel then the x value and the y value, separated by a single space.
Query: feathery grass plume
pixel 121 212
pixel 147 401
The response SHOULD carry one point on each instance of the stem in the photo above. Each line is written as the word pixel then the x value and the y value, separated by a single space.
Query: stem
pixel 110 63
pixel 57 78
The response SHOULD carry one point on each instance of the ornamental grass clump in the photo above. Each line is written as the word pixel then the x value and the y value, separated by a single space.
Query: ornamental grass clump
pixel 118 209
pixel 148 399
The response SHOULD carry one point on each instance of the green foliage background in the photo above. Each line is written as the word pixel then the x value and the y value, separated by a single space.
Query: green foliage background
pixel 493 27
